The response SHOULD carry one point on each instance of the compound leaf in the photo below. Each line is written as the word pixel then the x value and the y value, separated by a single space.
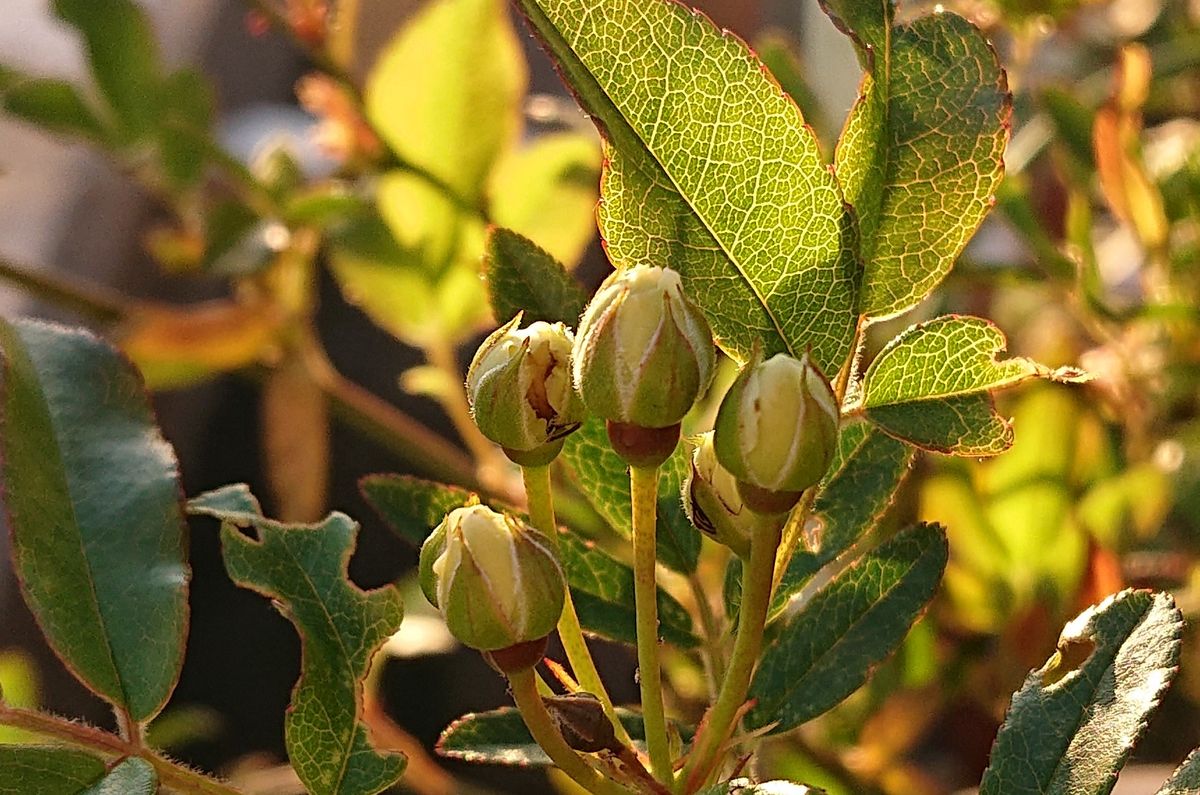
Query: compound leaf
pixel 93 499
pixel 1073 723
pixel 303 568
pixel 711 169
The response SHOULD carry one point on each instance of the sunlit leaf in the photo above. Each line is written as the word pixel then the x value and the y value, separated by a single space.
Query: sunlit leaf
pixel 1186 778
pixel 303 568
pixel 446 92
pixel 930 386
pixel 93 499
pixel 711 170
pixel 921 155
pixel 829 649
pixel 1073 723
pixel 547 191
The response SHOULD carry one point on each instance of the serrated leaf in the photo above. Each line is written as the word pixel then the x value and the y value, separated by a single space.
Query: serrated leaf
pixel 521 277
pixel 303 568
pixel 45 770
pixel 921 155
pixel 930 386
pixel 604 479
pixel 134 776
pixel 828 650
pixel 465 108
pixel 55 105
pixel 862 482
pixel 711 170
pixel 547 191
pixel 601 586
pixel 123 55
pixel 93 499
pixel 1073 723
pixel 499 737
pixel 1186 778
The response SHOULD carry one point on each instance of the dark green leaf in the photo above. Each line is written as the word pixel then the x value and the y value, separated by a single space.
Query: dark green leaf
pixel 1186 778
pixel 123 55
pixel 711 170
pixel 921 155
pixel 303 568
pixel 499 737
pixel 931 386
pixel 55 105
pixel 861 484
pixel 828 650
pixel 42 770
pixel 134 776
pixel 522 277
pixel 604 479
pixel 1073 723
pixel 93 497
pixel 601 586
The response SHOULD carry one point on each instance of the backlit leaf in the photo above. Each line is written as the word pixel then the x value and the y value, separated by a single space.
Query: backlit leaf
pixel 93 500
pixel 828 650
pixel 711 170
pixel 1073 723
pixel 920 158
pixel 446 92
pixel 1186 778
pixel 303 568
pixel 521 277
pixel 930 386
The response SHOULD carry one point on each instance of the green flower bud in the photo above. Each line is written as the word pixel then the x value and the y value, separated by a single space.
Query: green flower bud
pixel 777 427
pixel 712 502
pixel 644 352
pixel 494 578
pixel 519 386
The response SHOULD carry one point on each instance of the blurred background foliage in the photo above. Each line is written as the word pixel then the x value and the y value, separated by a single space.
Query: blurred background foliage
pixel 426 134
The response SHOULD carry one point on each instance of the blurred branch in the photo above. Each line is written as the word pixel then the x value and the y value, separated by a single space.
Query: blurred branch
pixel 92 302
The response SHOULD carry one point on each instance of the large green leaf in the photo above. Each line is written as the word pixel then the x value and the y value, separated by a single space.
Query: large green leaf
pixel 1073 723
pixel 922 152
pixel 446 92
pixel 93 498
pixel 711 170
pixel 604 478
pixel 43 770
pixel 931 385
pixel 123 56
pixel 499 737
pixel 601 586
pixel 861 484
pixel 547 191
pixel 828 650
pixel 1186 778
pixel 522 277
pixel 303 568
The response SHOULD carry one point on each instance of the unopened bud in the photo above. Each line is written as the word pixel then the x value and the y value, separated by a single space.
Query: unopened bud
pixel 776 430
pixel 519 386
pixel 644 352
pixel 494 578
pixel 712 502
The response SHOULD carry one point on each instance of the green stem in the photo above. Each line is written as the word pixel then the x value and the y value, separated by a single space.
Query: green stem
pixel 171 775
pixel 523 685
pixel 644 487
pixel 756 599
pixel 539 494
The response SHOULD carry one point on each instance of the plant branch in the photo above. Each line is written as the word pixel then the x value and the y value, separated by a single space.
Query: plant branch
pixel 79 735
pixel 93 302
pixel 752 616
pixel 523 685
pixel 540 497
pixel 644 488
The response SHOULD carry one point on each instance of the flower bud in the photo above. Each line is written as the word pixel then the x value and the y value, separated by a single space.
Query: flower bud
pixel 712 502
pixel 776 430
pixel 494 578
pixel 519 386
pixel 644 352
